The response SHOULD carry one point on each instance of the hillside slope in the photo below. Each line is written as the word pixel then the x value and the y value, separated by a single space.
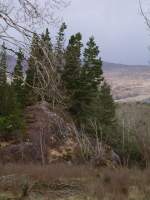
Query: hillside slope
pixel 128 83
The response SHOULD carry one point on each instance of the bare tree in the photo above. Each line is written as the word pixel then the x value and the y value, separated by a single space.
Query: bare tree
pixel 19 19
pixel 27 16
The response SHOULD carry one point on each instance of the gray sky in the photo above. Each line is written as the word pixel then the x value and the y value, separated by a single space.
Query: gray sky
pixel 117 25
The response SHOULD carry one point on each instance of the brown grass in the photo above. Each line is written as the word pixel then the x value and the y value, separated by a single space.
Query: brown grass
pixel 16 178
pixel 97 184
pixel 47 173
pixel 120 184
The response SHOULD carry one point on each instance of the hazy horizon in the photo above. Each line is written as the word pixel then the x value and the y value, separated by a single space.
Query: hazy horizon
pixel 118 27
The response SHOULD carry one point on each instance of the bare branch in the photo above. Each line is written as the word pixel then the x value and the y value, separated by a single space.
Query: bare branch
pixel 147 20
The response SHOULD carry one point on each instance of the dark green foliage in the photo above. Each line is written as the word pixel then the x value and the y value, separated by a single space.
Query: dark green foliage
pixel 18 79
pixel 3 79
pixel 60 49
pixel 46 41
pixel 38 66
pixel 11 126
pixel 3 66
pixel 10 113
pixel 11 118
pixel 105 111
pixel 72 66
pixel 92 64
pixel 90 78
pixel 72 69
pixel 31 82
pixel 100 109
pixel 48 68
pixel 107 106
pixel 89 96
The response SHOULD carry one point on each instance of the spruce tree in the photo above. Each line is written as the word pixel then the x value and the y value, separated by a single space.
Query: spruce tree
pixel 18 78
pixel 31 82
pixel 71 72
pixel 106 110
pixel 46 41
pixel 7 95
pixel 10 115
pixel 3 66
pixel 38 66
pixel 3 80
pixel 92 64
pixel 90 80
pixel 72 66
pixel 59 49
pixel 94 98
pixel 49 70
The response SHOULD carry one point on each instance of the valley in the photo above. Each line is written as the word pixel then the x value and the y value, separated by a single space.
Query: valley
pixel 128 83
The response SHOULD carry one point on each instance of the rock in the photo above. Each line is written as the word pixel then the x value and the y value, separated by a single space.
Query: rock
pixel 106 157
pixel 52 138
pixel 46 125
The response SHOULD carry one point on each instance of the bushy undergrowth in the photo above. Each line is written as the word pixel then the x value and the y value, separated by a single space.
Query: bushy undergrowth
pixel 132 138
pixel 11 126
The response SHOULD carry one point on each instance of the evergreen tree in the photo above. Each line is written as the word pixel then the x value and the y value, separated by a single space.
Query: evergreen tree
pixel 50 69
pixel 93 96
pixel 46 41
pixel 72 69
pixel 3 67
pixel 38 67
pixel 105 106
pixel 10 113
pixel 3 79
pixel 72 66
pixel 11 119
pixel 92 64
pixel 18 78
pixel 31 82
pixel 90 80
pixel 101 107
pixel 59 49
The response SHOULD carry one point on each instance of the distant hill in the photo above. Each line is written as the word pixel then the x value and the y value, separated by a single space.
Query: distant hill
pixel 115 66
pixel 128 82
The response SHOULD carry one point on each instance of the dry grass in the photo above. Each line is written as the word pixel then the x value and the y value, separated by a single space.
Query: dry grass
pixel 47 173
pixel 37 179
pixel 82 181
pixel 120 184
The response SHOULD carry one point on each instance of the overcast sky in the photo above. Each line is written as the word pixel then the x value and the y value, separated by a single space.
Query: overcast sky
pixel 117 25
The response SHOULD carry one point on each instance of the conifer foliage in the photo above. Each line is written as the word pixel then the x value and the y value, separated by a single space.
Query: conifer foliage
pixel 3 66
pixel 11 98
pixel 54 71
pixel 71 72
pixel 60 49
pixel 31 73
pixel 18 78
pixel 90 99
pixel 3 82
pixel 90 80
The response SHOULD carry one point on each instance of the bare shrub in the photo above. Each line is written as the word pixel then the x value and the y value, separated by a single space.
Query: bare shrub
pixel 134 135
